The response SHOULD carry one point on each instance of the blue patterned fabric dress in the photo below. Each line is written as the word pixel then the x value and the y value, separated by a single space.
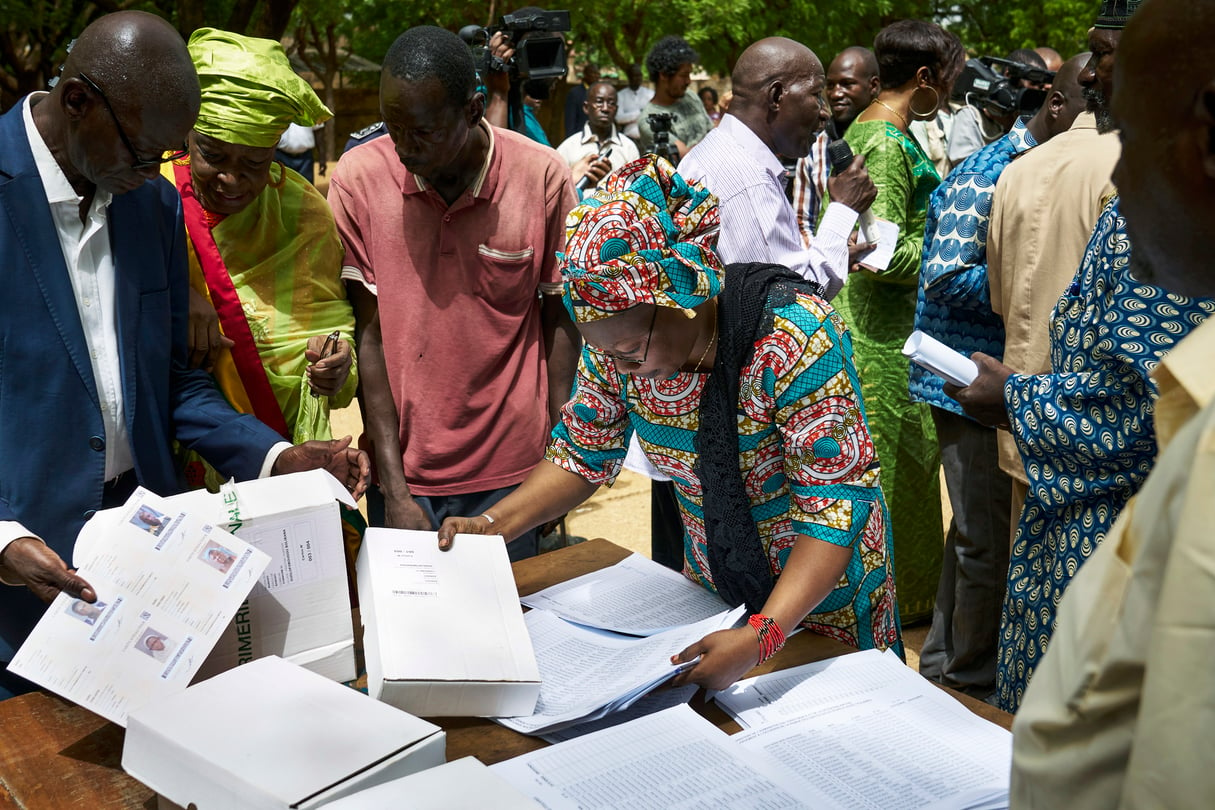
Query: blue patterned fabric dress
pixel 954 301
pixel 806 458
pixel 1085 433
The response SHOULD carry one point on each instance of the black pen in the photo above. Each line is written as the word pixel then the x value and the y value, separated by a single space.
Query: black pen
pixel 329 347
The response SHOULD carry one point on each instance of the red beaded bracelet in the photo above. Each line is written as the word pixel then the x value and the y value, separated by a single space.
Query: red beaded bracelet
pixel 771 637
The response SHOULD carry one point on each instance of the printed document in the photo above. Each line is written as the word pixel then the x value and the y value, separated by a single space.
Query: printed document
pixel 167 586
pixel 636 596
pixel 586 674
pixel 667 761
pixel 865 731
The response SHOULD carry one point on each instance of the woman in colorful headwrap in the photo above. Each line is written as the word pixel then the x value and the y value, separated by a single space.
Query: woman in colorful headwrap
pixel 918 62
pixel 739 385
pixel 265 260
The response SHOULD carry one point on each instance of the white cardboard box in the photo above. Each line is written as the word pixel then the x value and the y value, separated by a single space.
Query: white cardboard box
pixel 464 784
pixel 300 610
pixel 443 632
pixel 271 735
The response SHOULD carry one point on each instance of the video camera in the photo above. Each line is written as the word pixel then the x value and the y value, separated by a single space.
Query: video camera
pixel 992 83
pixel 540 56
pixel 660 126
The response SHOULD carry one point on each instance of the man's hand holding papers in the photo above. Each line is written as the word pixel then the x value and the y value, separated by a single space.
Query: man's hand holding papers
pixel 30 562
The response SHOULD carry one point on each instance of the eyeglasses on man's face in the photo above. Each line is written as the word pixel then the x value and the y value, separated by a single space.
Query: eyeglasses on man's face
pixel 136 161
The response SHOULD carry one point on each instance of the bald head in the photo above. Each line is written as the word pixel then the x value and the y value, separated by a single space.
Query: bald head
pixel 1051 57
pixel 769 60
pixel 138 58
pixel 777 86
pixel 128 94
pixel 1164 104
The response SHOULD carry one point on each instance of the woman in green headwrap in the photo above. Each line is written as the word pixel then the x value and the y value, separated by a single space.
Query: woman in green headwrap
pixel 265 259
pixel 739 385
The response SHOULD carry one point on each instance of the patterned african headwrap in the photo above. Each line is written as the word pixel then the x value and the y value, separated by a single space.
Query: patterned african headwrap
pixel 1115 14
pixel 646 237
pixel 249 91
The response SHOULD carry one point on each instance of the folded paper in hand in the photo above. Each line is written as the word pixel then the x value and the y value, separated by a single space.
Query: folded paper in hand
pixel 930 353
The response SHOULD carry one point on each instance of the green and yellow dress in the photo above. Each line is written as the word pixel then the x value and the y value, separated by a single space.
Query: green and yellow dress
pixel 879 308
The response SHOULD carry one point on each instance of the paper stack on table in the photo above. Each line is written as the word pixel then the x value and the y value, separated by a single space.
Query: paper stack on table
pixel 858 732
pixel 671 760
pixel 167 586
pixel 865 731
pixel 586 674
pixel 636 596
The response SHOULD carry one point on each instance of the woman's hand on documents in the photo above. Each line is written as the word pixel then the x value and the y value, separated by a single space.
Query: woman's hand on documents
pixel 725 656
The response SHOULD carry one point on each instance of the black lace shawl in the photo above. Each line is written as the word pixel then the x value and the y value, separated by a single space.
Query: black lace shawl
pixel 736 555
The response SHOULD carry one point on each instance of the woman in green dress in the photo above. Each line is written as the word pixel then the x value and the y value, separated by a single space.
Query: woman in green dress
pixel 918 63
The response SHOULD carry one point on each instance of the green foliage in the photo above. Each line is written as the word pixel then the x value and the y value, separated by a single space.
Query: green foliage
pixel 36 32
pixel 995 28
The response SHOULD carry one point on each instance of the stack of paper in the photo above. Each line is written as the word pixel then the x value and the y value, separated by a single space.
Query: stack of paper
pixel 667 761
pixel 637 596
pixel 860 732
pixel 865 731
pixel 587 674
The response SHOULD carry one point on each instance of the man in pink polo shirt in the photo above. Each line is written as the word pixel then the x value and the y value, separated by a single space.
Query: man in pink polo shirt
pixel 450 228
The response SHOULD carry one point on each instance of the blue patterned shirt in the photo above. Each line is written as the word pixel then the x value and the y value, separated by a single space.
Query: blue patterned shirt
pixel 954 302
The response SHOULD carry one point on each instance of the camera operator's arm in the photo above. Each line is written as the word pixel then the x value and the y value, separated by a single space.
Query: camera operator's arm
pixel 497 81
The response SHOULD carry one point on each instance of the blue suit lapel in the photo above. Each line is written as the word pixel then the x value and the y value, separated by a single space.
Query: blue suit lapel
pixel 23 200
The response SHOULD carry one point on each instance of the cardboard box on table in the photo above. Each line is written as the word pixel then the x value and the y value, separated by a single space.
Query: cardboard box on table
pixel 271 735
pixel 443 632
pixel 464 784
pixel 300 610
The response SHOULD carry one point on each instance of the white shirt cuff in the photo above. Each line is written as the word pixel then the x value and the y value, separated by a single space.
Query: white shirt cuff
pixel 838 219
pixel 271 457
pixel 11 530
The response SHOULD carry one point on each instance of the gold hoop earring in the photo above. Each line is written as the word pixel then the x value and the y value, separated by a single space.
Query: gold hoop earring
pixel 936 104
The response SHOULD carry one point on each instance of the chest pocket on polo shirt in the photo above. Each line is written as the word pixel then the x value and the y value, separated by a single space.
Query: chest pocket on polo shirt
pixel 509 276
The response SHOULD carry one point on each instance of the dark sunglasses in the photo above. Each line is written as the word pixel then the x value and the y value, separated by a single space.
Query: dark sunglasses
pixel 136 161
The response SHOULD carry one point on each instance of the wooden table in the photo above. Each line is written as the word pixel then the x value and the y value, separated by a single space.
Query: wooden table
pixel 56 755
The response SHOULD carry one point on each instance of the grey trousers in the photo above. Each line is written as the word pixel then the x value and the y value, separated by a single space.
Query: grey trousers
pixel 961 647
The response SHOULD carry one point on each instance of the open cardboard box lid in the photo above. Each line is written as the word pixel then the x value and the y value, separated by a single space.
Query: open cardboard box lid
pixel 270 734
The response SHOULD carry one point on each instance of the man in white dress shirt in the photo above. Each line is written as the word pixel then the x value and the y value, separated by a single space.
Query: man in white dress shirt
pixel 631 101
pixel 776 111
pixel 598 135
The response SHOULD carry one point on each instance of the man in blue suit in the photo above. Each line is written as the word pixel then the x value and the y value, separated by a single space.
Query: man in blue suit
pixel 94 379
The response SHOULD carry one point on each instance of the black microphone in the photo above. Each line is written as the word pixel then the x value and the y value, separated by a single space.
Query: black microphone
pixel 585 182
pixel 841 157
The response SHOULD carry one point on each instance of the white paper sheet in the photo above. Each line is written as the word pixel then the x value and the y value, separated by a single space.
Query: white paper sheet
pixel 587 673
pixel 930 353
pixel 667 761
pixel 888 239
pixel 636 596
pixel 863 731
pixel 167 586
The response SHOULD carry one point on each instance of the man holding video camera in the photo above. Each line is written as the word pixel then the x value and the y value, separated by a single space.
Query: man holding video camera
pixel 990 95
pixel 670 65
pixel 524 55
